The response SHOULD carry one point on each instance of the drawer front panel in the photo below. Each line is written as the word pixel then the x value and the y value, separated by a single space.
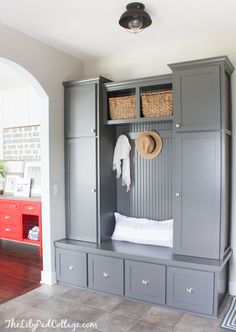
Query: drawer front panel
pixel 190 289
pixel 30 207
pixel 145 281
pixel 9 218
pixel 106 274
pixel 71 267
pixel 11 232
pixel 11 206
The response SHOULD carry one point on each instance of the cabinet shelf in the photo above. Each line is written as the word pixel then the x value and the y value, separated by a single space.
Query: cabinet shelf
pixel 140 120
pixel 136 89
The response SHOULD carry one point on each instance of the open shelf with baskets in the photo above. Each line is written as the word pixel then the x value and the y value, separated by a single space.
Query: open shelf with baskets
pixel 143 100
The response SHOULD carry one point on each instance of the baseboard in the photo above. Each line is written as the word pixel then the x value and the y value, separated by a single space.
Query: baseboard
pixel 232 288
pixel 48 277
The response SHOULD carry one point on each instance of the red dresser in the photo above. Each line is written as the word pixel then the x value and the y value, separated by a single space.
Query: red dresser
pixel 17 217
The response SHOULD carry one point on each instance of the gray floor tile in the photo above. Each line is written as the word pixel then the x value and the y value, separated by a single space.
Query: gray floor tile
pixel 195 323
pixel 142 326
pixel 11 309
pixel 103 301
pixel 78 295
pixel 53 290
pixel 82 313
pixel 115 323
pixel 33 298
pixel 56 306
pixel 162 316
pixel 131 309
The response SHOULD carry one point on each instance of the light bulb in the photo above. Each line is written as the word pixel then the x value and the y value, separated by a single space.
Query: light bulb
pixel 135 24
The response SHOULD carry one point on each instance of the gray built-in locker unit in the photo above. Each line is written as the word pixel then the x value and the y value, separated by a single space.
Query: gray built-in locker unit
pixel 189 182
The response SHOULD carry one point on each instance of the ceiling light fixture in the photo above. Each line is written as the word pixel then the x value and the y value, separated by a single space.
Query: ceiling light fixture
pixel 135 19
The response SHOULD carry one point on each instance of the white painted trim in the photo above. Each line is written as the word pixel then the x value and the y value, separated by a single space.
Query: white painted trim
pixel 48 277
pixel 232 288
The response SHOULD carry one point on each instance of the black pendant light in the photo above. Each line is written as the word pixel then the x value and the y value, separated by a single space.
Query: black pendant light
pixel 135 19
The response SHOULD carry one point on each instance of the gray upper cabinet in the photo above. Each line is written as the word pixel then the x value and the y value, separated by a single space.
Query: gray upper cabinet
pixel 81 196
pixel 80 110
pixel 197 194
pixel 199 87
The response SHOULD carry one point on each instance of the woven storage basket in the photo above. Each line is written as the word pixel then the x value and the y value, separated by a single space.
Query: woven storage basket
pixel 157 104
pixel 122 107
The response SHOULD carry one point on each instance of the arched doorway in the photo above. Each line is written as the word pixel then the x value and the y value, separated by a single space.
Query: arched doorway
pixel 45 198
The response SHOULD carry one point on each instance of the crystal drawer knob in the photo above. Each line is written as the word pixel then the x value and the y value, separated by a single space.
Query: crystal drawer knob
pixel 7 229
pixel 190 290
pixel 177 194
pixel 71 267
pixel 7 217
pixel 105 275
pixel 30 208
pixel 177 125
pixel 145 282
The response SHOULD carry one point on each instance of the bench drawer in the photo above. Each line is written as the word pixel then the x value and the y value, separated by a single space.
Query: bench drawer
pixel 106 274
pixel 11 219
pixel 145 281
pixel 29 207
pixel 71 267
pixel 190 289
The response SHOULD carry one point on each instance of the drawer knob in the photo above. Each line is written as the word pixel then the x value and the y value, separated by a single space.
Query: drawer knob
pixel 177 194
pixel 93 130
pixel 94 190
pixel 7 229
pixel 71 267
pixel 6 217
pixel 177 125
pixel 145 282
pixel 105 275
pixel 190 290
pixel 14 206
pixel 30 208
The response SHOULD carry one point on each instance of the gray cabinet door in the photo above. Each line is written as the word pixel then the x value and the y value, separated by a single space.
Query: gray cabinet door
pixel 80 110
pixel 106 274
pixel 71 267
pixel 81 198
pixel 190 290
pixel 197 194
pixel 197 99
pixel 145 281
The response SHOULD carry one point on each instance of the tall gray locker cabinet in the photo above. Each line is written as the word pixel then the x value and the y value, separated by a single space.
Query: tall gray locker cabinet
pixel 202 138
pixel 84 161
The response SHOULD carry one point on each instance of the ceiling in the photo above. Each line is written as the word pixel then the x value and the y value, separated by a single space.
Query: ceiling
pixel 89 28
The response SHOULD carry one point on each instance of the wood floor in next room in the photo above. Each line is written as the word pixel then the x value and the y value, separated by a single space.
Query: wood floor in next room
pixel 20 269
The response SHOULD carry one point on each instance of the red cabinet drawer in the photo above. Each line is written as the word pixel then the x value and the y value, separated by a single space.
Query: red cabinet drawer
pixel 11 232
pixel 11 219
pixel 31 207
pixel 10 206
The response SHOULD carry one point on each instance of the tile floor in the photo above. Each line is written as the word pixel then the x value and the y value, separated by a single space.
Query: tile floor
pixel 109 313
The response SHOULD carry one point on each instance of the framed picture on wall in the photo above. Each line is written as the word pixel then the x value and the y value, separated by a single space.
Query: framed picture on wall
pixel 10 183
pixel 22 187
pixel 33 172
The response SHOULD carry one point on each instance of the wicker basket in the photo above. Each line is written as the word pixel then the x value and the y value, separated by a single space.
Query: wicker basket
pixel 156 104
pixel 122 107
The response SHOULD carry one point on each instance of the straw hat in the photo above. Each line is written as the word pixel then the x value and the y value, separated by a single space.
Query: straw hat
pixel 149 144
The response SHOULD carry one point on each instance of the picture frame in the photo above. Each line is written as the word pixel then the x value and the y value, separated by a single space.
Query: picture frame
pixel 22 188
pixel 33 171
pixel 10 183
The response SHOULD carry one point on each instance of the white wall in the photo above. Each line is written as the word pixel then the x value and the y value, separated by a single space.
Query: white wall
pixel 18 107
pixel 153 61
pixel 50 67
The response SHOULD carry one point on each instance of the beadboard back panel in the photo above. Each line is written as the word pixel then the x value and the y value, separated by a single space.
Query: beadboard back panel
pixel 151 190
